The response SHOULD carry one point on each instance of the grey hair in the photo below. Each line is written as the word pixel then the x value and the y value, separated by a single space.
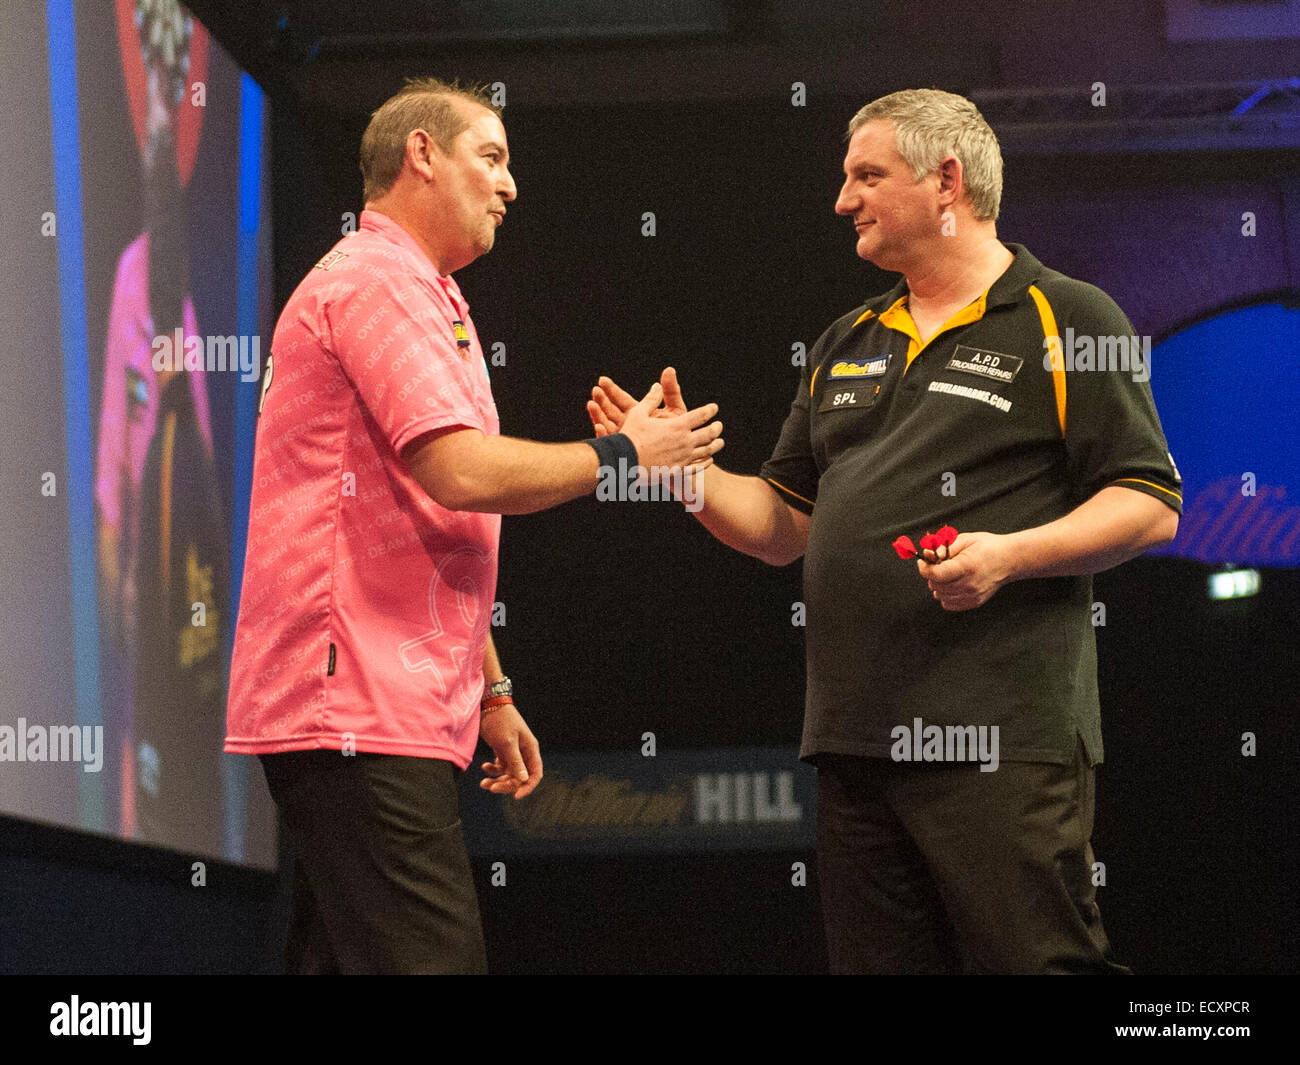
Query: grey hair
pixel 929 125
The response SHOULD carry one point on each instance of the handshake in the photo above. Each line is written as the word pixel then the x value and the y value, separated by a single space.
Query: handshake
pixel 672 443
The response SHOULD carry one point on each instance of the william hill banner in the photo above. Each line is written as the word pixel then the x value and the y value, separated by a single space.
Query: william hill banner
pixel 749 798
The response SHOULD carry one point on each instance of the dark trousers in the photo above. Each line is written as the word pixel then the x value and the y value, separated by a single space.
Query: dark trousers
pixel 382 881
pixel 940 868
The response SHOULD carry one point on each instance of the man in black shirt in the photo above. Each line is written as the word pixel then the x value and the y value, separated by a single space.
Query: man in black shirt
pixel 952 707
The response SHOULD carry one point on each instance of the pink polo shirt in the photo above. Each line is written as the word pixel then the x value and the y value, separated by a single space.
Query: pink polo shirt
pixel 365 606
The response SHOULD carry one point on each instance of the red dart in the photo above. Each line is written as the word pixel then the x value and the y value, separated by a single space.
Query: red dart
pixel 905 548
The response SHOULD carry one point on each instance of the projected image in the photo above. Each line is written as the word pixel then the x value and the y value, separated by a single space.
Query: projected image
pixel 160 525
pixel 156 139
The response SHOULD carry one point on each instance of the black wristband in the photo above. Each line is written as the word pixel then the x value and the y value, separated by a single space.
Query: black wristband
pixel 609 449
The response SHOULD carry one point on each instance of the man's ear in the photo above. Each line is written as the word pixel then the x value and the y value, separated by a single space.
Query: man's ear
pixel 420 152
pixel 951 181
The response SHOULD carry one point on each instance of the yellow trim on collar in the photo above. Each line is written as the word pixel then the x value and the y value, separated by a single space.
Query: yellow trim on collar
pixel 899 318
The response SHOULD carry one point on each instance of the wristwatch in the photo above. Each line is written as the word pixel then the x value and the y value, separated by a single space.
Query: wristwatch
pixel 498 688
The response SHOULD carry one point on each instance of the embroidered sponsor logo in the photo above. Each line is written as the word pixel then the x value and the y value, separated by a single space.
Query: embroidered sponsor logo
pixel 846 368
pixel 989 364
pixel 982 394
pixel 332 259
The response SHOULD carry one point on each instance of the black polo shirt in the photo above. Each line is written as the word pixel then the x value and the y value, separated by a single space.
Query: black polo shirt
pixel 987 429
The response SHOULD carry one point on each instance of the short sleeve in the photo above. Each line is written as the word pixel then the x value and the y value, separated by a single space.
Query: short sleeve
pixel 394 337
pixel 1112 431
pixel 791 469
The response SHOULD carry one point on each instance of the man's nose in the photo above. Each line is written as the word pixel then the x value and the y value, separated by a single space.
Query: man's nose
pixel 508 190
pixel 846 202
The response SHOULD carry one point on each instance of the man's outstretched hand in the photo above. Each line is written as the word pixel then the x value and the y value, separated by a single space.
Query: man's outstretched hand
pixel 610 405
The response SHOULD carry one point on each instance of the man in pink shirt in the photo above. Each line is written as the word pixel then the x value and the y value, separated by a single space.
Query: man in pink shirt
pixel 363 670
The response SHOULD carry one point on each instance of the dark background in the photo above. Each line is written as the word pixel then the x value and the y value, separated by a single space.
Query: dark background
pixel 622 620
